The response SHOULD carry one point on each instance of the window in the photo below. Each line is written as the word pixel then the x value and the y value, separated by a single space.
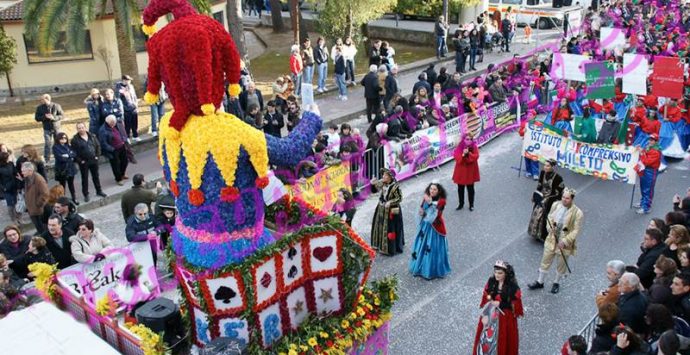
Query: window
pixel 140 39
pixel 59 52
pixel 220 17
pixel 512 2
pixel 494 1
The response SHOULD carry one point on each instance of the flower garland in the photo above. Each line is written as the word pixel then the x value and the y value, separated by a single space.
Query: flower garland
pixel 106 306
pixel 151 343
pixel 337 335
pixel 45 279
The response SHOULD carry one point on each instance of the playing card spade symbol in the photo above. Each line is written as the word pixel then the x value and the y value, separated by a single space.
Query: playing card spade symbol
pixel 224 294
pixel 266 280
pixel 293 272
pixel 291 253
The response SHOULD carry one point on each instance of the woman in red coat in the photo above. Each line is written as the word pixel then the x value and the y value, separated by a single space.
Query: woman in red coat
pixel 466 171
pixel 497 332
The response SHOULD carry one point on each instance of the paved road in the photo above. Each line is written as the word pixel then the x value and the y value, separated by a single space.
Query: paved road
pixel 440 316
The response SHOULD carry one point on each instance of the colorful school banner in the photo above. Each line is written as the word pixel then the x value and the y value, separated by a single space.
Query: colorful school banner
pixel 667 78
pixel 321 190
pixel 614 162
pixel 569 66
pixel 635 71
pixel 431 147
pixel 600 80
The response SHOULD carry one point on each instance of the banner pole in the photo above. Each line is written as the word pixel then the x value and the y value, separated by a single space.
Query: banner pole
pixel 520 166
pixel 632 196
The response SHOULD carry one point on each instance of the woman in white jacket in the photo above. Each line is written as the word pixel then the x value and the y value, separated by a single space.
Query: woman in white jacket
pixel 88 243
pixel 349 53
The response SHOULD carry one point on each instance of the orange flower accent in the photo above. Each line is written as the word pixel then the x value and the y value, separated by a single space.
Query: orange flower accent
pixel 196 197
pixel 229 194
pixel 174 188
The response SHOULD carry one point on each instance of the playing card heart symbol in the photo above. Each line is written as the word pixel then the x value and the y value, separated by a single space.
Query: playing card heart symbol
pixel 266 280
pixel 490 332
pixel 485 348
pixel 322 253
pixel 291 253
pixel 293 272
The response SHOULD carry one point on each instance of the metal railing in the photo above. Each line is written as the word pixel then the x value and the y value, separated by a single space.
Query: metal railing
pixel 588 332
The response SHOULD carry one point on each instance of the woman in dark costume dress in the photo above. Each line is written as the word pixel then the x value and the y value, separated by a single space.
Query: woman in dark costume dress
pixel 549 190
pixel 497 332
pixel 387 234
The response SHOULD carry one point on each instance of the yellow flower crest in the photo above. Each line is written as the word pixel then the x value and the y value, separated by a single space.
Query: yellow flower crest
pixel 45 278
pixel 151 343
pixel 106 306
pixel 221 135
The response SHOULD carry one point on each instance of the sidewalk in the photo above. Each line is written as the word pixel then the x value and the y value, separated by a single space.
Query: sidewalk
pixel 332 110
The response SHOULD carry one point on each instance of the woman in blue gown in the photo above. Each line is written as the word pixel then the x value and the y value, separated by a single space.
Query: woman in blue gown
pixel 430 251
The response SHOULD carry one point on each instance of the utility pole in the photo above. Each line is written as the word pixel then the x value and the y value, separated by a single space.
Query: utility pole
pixel 294 4
pixel 445 11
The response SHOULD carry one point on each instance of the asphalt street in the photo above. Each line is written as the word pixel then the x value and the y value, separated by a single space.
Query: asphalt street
pixel 440 316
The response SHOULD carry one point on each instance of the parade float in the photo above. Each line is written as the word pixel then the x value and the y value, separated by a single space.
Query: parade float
pixel 253 265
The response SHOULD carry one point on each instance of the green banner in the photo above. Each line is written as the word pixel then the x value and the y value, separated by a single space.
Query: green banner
pixel 600 80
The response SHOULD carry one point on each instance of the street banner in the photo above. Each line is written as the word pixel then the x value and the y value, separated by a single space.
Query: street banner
pixel 612 37
pixel 321 190
pixel 635 72
pixel 614 162
pixel 569 66
pixel 433 146
pixel 600 80
pixel 95 280
pixel 667 78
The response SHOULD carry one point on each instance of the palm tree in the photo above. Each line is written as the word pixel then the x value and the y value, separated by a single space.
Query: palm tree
pixel 44 20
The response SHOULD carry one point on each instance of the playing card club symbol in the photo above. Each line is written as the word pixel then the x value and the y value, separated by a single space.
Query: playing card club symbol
pixel 224 294
pixel 293 272
pixel 322 253
pixel 291 253
pixel 266 280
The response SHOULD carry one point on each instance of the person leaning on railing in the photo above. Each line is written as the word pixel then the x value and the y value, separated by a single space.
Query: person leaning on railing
pixel 614 271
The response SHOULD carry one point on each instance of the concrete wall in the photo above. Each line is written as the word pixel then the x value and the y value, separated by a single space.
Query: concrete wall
pixel 37 78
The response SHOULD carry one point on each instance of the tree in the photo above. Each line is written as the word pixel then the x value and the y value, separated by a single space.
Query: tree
pixel 348 18
pixel 277 16
pixel 234 10
pixel 8 56
pixel 301 35
pixel 46 20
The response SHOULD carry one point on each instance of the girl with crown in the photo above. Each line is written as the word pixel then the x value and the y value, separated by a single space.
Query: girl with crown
pixel 497 332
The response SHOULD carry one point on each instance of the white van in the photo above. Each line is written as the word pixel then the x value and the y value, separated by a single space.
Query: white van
pixel 540 13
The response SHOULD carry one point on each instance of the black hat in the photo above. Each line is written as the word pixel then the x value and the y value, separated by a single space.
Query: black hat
pixel 63 200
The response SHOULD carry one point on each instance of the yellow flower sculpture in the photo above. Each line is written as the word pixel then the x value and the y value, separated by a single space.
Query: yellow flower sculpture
pixel 219 134
pixel 45 278
pixel 151 343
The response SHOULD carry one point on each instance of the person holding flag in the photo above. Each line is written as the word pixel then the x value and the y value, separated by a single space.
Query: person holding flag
pixel 648 168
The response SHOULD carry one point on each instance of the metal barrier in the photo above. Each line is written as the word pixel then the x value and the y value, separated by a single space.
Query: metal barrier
pixel 588 332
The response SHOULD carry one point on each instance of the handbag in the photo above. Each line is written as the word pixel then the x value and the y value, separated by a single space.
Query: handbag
pixel 20 206
pixel 130 154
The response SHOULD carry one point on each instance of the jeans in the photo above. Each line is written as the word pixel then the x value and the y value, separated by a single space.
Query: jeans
pixel 647 182
pixel 323 70
pixel 49 138
pixel 297 79
pixel 308 74
pixel 131 124
pixel 349 70
pixel 473 57
pixel 506 42
pixel 440 46
pixel 157 112
pixel 531 167
pixel 84 170
pixel 340 82
pixel 460 60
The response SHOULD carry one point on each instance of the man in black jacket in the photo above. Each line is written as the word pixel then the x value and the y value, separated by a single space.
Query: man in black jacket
pixel 431 76
pixel 506 29
pixel 375 55
pixel 392 87
pixel 652 247
pixel 88 149
pixel 49 114
pixel 371 91
pixel 251 96
pixel 68 212
pixel 632 304
pixel 273 120
pixel 680 288
pixel 57 241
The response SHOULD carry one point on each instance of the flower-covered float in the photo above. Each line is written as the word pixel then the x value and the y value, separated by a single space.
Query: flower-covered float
pixel 286 278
